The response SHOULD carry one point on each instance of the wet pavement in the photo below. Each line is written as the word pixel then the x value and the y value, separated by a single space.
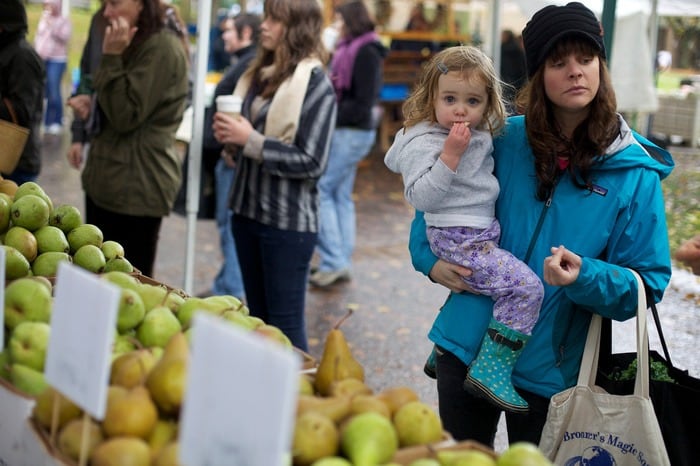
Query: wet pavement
pixel 394 305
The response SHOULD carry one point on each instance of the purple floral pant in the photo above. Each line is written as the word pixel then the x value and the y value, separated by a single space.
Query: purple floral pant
pixel 516 290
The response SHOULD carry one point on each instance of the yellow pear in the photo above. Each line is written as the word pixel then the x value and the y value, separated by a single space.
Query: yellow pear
pixel 130 414
pixel 168 456
pixel 334 407
pixel 315 437
pixel 120 451
pixel 365 403
pixel 306 385
pixel 71 436
pixel 164 432
pixel 337 361
pixel 42 411
pixel 349 387
pixel 166 381
pixel 130 369
pixel 417 423
pixel 395 397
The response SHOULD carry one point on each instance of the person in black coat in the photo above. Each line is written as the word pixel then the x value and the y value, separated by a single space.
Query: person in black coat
pixel 513 71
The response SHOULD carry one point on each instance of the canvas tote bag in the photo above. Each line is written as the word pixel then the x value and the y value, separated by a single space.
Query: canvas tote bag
pixel 587 425
pixel 12 140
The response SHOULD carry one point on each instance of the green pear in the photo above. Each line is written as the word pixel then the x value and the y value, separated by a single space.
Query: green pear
pixel 224 302
pixel 28 380
pixel 112 249
pixel 315 437
pixel 522 453
pixel 16 265
pixel 44 281
pixel 425 462
pixel 174 300
pixel 157 327
pixel 50 238
pixel 152 295
pixel 43 410
pixel 31 187
pixel 81 235
pixel 130 369
pixel 28 344
pixel 466 458
pixel 121 279
pixel 163 434
pixel 121 450
pixel 273 333
pixel 70 437
pixel 241 320
pixel 5 365
pixel 66 217
pixel 22 240
pixel 27 300
pixel 131 310
pixel 123 343
pixel 332 461
pixel 193 304
pixel 417 423
pixel 5 212
pixel 90 258
pixel 119 264
pixel 46 264
pixel 30 212
pixel 167 381
pixel 369 439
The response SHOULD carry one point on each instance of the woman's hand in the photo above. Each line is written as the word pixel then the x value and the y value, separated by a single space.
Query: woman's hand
pixel 118 36
pixel 562 267
pixel 81 105
pixel 450 276
pixel 230 130
pixel 75 155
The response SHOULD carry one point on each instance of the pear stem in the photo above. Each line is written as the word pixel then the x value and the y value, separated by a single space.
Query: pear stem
pixel 343 319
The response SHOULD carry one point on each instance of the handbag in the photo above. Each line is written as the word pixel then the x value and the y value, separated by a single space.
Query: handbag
pixel 587 425
pixel 13 138
pixel 674 393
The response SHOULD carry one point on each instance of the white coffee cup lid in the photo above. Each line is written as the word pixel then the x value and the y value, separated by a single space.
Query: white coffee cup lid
pixel 229 103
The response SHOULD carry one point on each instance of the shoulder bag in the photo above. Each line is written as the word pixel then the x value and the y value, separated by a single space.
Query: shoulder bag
pixel 587 425
pixel 13 138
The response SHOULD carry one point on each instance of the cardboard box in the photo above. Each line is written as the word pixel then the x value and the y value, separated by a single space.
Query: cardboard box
pixel 407 455
pixel 15 409
pixel 38 450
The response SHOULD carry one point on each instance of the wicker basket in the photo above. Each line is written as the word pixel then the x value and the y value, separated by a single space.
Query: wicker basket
pixel 12 140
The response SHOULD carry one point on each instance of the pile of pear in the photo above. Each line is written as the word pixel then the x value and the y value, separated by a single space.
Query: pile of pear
pixel 37 235
pixel 341 420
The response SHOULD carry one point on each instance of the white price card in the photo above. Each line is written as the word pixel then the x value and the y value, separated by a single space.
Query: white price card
pixel 83 323
pixel 2 298
pixel 241 397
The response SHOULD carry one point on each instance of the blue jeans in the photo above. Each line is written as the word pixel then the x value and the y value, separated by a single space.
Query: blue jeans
pixel 229 280
pixel 336 236
pixel 276 265
pixel 54 101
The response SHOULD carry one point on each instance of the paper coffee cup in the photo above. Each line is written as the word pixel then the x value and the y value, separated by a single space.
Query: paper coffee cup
pixel 229 104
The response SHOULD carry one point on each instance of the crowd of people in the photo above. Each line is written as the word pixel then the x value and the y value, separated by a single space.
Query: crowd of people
pixel 507 171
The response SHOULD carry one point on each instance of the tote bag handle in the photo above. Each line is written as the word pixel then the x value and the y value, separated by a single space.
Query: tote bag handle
pixel 10 109
pixel 589 361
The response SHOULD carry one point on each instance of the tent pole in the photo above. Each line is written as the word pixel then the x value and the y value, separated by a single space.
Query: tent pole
pixel 609 7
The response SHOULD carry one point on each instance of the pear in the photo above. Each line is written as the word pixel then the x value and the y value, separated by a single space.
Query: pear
pixel 335 408
pixel 123 343
pixel 192 305
pixel 22 240
pixel 157 327
pixel 70 438
pixel 395 397
pixel 46 264
pixel 168 455
pixel 522 453
pixel 119 451
pixel 26 299
pixel 131 310
pixel 337 361
pixel 131 369
pixel 417 423
pixel 163 433
pixel 81 235
pixel 31 187
pixel 369 439
pixel 275 334
pixel 167 380
pixel 365 403
pixel 8 187
pixel 332 461
pixel 315 436
pixel 27 380
pixel 66 217
pixel 306 385
pixel 30 211
pixel 152 295
pixel 5 212
pixel 16 265
pixel 28 344
pixel 132 414
pixel 121 279
pixel 174 300
pixel 425 462
pixel 241 320
pixel 465 458
pixel 42 412
pixel 349 387
pixel 5 365
pixel 50 238
pixel 90 257
pixel 112 249
pixel 120 264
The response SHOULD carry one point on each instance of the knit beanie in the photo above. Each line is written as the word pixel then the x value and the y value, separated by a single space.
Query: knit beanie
pixel 551 24
pixel 13 16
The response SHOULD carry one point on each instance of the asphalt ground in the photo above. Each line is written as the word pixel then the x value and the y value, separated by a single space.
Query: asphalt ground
pixel 394 305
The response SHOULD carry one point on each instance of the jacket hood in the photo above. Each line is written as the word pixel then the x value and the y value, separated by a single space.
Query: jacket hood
pixel 404 136
pixel 13 18
pixel 641 153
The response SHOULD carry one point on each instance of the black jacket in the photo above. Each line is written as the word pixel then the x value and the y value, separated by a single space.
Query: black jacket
pixel 22 80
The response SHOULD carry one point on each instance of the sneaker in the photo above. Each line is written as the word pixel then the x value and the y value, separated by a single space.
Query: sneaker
pixel 324 278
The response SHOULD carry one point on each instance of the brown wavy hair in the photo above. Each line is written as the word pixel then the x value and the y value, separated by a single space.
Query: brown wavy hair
pixel 301 39
pixel 474 66
pixel 590 139
pixel 155 16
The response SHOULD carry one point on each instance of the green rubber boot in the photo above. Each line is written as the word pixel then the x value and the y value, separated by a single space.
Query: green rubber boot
pixel 489 375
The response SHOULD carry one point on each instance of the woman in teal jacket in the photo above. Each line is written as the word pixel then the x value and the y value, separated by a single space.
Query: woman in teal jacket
pixel 593 186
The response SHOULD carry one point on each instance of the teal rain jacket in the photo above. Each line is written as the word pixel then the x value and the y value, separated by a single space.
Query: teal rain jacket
pixel 619 222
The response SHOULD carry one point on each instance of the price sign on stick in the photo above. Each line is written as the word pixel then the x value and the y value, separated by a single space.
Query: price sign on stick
pixel 2 298
pixel 83 323
pixel 241 397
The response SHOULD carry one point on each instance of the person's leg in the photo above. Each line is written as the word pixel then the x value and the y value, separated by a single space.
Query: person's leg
pixel 228 280
pixel 463 415
pixel 138 235
pixel 54 103
pixel 528 427
pixel 246 234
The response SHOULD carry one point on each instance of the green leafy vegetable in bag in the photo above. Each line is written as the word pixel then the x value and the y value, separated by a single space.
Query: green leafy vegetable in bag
pixel 658 371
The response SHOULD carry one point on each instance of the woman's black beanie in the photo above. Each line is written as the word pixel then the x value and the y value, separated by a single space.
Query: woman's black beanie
pixel 552 23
